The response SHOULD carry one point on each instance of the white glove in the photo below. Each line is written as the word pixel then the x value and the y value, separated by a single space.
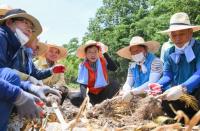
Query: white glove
pixel 35 81
pixel 174 93
pixel 42 91
pixel 40 82
pixel 127 96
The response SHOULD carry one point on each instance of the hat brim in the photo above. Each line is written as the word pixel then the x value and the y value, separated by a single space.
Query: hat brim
pixel 63 51
pixel 36 23
pixel 153 46
pixel 3 12
pixel 42 48
pixel 80 53
pixel 180 27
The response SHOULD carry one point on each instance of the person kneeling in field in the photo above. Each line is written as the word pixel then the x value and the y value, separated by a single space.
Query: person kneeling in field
pixel 181 67
pixel 145 68
pixel 93 74
pixel 49 59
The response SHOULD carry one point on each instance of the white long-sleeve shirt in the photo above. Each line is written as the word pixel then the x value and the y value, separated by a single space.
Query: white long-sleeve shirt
pixel 155 74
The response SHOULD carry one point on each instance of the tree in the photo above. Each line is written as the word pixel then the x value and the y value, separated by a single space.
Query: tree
pixel 71 62
pixel 117 21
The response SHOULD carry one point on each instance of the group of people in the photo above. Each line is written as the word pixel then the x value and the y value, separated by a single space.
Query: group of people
pixel 23 84
pixel 177 72
pixel 30 71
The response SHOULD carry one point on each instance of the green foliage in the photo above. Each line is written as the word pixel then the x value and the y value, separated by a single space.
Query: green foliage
pixel 71 62
pixel 117 21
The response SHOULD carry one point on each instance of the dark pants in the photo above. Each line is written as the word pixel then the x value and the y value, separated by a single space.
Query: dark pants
pixel 5 106
pixel 109 91
pixel 180 105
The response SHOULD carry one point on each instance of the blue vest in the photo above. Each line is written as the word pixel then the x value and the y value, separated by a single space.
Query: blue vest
pixel 183 70
pixel 139 77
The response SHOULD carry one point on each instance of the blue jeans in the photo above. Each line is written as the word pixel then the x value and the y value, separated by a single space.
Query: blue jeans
pixel 9 75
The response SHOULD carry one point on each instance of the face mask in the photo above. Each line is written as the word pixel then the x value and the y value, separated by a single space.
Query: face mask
pixel 138 57
pixel 23 39
pixel 182 48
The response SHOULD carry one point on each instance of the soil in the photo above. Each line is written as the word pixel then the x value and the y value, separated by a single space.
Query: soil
pixel 116 114
pixel 140 114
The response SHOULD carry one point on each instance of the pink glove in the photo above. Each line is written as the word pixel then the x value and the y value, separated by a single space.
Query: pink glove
pixel 58 69
pixel 155 89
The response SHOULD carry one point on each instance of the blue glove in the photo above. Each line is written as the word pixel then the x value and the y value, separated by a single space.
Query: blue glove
pixel 43 91
pixel 26 106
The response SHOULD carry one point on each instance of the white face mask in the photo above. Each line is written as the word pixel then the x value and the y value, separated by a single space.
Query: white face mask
pixel 182 48
pixel 138 57
pixel 23 39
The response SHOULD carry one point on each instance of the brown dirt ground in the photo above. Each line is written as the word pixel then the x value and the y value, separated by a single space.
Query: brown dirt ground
pixel 117 114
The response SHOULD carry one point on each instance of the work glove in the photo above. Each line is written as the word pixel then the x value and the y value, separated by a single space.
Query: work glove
pixel 58 69
pixel 127 96
pixel 155 89
pixel 65 92
pixel 174 93
pixel 26 105
pixel 43 91
pixel 34 81
pixel 51 98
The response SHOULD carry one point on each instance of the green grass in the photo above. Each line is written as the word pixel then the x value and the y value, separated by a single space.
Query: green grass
pixel 73 85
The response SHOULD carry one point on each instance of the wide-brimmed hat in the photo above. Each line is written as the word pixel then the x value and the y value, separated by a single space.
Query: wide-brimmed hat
pixel 152 46
pixel 81 50
pixel 42 48
pixel 4 9
pixel 62 50
pixel 180 21
pixel 19 13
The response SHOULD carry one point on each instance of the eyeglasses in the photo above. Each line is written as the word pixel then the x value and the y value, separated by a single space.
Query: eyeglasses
pixel 26 22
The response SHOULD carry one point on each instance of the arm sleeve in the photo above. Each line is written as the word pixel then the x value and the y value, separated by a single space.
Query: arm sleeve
pixel 8 92
pixel 155 74
pixel 194 81
pixel 25 85
pixel 167 73
pixel 3 51
pixel 111 65
pixel 40 74
pixel 22 75
pixel 129 81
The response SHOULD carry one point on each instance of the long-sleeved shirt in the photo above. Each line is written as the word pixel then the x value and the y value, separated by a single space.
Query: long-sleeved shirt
pixel 8 92
pixel 14 56
pixel 111 64
pixel 182 73
pixel 154 76
pixel 53 80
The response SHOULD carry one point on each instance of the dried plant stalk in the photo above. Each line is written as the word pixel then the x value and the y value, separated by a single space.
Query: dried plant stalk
pixel 171 127
pixel 83 106
pixel 190 101
pixel 179 115
pixel 195 119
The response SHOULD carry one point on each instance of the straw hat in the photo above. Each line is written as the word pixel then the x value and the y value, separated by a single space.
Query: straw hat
pixel 80 53
pixel 19 13
pixel 4 9
pixel 153 46
pixel 41 48
pixel 180 21
pixel 62 50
